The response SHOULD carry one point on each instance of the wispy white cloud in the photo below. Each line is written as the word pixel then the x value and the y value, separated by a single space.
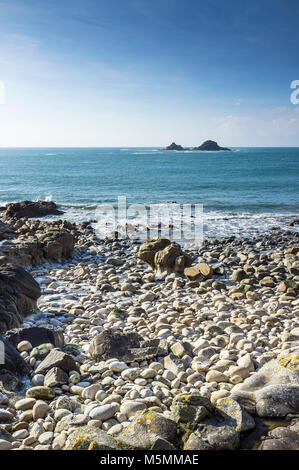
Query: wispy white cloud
pixel 238 102
pixel 272 126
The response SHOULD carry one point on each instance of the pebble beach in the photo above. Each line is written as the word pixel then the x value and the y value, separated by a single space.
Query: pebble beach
pixel 218 357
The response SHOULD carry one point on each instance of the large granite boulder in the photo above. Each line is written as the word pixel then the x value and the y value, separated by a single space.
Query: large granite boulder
pixel 190 409
pixel 18 295
pixel 146 427
pixel 17 210
pixel 164 257
pixel 272 391
pixel 213 435
pixel 149 249
pixel 172 259
pixel 210 145
pixel 90 438
pixel 203 426
pixel 128 347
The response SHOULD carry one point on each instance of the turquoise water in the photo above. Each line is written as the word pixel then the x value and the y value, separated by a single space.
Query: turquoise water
pixel 246 190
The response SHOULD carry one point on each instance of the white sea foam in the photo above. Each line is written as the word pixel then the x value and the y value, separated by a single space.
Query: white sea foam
pixel 215 223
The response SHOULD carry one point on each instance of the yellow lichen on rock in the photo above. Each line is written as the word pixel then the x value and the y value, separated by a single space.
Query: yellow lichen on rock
pixel 289 361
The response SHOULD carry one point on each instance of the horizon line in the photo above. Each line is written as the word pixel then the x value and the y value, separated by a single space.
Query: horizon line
pixel 132 147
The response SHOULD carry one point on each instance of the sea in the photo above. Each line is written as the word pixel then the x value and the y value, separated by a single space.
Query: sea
pixel 244 192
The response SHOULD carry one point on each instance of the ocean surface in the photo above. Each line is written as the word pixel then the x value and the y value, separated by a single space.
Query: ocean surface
pixel 243 192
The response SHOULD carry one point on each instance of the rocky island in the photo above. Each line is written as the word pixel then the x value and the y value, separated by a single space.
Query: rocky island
pixel 117 344
pixel 174 146
pixel 207 146
pixel 211 146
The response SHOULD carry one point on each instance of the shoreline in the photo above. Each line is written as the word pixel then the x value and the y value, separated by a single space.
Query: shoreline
pixel 216 223
pixel 214 335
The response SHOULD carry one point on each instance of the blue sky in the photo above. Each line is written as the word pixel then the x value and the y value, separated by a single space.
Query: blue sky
pixel 147 72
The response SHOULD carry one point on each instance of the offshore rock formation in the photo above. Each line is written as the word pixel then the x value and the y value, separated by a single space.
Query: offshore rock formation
pixel 210 145
pixel 174 146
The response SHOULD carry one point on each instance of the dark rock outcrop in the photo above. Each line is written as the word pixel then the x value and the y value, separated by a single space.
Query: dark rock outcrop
pixel 6 232
pixel 18 210
pixel 14 366
pixel 28 241
pixel 13 361
pixel 18 295
pixel 56 358
pixel 57 244
pixel 210 145
pixel 174 146
pixel 125 346
pixel 36 336
pixel 109 343
pixel 37 241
